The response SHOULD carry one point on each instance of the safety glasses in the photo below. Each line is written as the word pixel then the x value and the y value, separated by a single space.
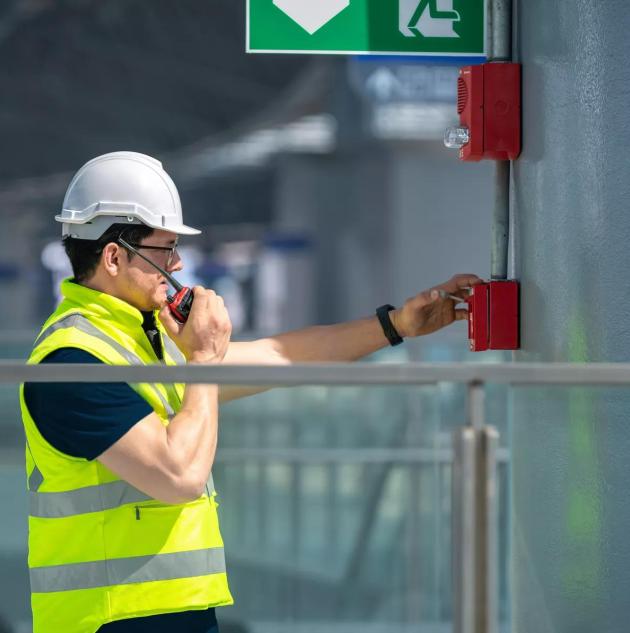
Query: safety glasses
pixel 171 250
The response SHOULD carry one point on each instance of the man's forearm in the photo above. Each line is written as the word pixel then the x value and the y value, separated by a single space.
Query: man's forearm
pixel 323 343
pixel 331 343
pixel 192 434
pixel 422 314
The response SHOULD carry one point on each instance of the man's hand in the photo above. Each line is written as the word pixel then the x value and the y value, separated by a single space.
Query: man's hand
pixel 205 336
pixel 428 312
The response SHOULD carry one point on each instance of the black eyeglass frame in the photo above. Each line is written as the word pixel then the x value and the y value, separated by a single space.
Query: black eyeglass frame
pixel 172 249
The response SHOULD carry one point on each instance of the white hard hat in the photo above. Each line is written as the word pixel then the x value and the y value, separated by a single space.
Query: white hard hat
pixel 121 187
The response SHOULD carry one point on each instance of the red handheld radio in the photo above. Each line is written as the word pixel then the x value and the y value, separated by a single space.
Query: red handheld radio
pixel 181 302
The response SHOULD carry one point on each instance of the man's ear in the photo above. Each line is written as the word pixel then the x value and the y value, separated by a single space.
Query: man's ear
pixel 111 259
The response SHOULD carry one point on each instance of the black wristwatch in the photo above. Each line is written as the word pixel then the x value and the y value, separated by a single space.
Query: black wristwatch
pixel 386 323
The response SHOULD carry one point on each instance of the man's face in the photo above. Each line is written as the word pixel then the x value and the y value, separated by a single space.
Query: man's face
pixel 143 286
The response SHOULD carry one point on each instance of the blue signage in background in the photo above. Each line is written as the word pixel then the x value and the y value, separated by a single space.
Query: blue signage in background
pixel 391 80
pixel 406 98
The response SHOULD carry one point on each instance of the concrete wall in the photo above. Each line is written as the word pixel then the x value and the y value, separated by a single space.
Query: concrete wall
pixel 571 448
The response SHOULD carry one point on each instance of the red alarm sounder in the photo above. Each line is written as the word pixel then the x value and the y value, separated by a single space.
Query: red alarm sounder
pixel 489 108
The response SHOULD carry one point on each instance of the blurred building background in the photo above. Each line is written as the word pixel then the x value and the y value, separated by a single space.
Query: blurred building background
pixel 334 163
pixel 323 190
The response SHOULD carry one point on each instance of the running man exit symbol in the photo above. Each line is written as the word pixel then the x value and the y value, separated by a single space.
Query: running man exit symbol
pixel 427 18
pixel 311 15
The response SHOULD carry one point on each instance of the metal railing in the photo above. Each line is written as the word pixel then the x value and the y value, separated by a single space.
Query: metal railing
pixel 338 374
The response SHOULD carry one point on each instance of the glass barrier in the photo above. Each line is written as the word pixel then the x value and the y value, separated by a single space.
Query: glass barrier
pixel 343 516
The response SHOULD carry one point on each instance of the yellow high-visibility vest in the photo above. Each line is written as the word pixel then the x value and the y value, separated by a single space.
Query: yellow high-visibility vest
pixel 101 550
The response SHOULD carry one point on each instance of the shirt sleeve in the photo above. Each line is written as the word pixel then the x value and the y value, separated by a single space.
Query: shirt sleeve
pixel 83 419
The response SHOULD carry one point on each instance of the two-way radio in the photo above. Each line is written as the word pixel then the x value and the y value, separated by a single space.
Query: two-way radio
pixel 181 302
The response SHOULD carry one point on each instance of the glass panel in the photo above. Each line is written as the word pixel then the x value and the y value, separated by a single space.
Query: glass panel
pixel 335 506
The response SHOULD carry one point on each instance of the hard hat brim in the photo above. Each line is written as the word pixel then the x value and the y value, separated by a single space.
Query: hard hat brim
pixel 182 229
pixel 93 229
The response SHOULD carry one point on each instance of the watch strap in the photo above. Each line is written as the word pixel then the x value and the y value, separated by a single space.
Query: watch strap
pixel 386 323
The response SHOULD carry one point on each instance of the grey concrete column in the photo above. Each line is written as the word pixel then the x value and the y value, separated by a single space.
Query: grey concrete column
pixel 571 447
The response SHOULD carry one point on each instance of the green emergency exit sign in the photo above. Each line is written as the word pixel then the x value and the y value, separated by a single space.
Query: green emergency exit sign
pixel 441 28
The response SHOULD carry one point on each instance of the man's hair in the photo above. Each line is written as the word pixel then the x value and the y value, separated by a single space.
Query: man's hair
pixel 84 255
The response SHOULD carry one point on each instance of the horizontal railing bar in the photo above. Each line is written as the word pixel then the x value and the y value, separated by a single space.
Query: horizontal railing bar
pixel 336 374
pixel 12 456
pixel 406 456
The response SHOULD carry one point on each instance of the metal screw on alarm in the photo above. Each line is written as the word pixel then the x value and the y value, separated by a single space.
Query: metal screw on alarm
pixel 446 295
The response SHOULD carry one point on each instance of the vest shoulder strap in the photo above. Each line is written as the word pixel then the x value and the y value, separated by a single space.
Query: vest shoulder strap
pixel 78 321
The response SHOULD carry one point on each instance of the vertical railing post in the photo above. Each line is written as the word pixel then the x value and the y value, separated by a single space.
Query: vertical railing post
pixel 474 516
pixel 486 550
pixel 463 530
pixel 475 405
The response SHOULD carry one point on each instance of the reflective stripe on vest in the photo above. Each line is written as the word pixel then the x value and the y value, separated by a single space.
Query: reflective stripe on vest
pixel 78 321
pixel 124 571
pixel 57 505
pixel 54 505
pixel 173 351
pixel 35 480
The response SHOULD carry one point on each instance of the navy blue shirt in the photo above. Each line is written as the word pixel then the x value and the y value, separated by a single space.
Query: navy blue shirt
pixel 84 420
pixel 79 418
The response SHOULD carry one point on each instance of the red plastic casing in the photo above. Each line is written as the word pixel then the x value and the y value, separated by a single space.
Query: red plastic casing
pixel 489 105
pixel 478 318
pixel 493 316
pixel 503 307
pixel 179 304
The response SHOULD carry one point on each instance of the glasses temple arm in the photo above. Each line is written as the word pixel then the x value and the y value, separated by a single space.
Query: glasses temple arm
pixel 171 280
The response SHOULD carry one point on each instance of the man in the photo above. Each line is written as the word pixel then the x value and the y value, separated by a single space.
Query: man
pixel 123 529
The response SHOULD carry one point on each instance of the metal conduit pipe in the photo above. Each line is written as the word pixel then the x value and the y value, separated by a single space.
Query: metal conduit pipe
pixel 499 44
pixel 500 221
pixel 499 33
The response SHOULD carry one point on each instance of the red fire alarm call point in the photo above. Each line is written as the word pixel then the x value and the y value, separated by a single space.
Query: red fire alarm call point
pixel 493 316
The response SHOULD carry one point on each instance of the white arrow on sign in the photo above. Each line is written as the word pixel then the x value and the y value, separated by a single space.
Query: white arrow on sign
pixel 311 15
pixel 429 18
